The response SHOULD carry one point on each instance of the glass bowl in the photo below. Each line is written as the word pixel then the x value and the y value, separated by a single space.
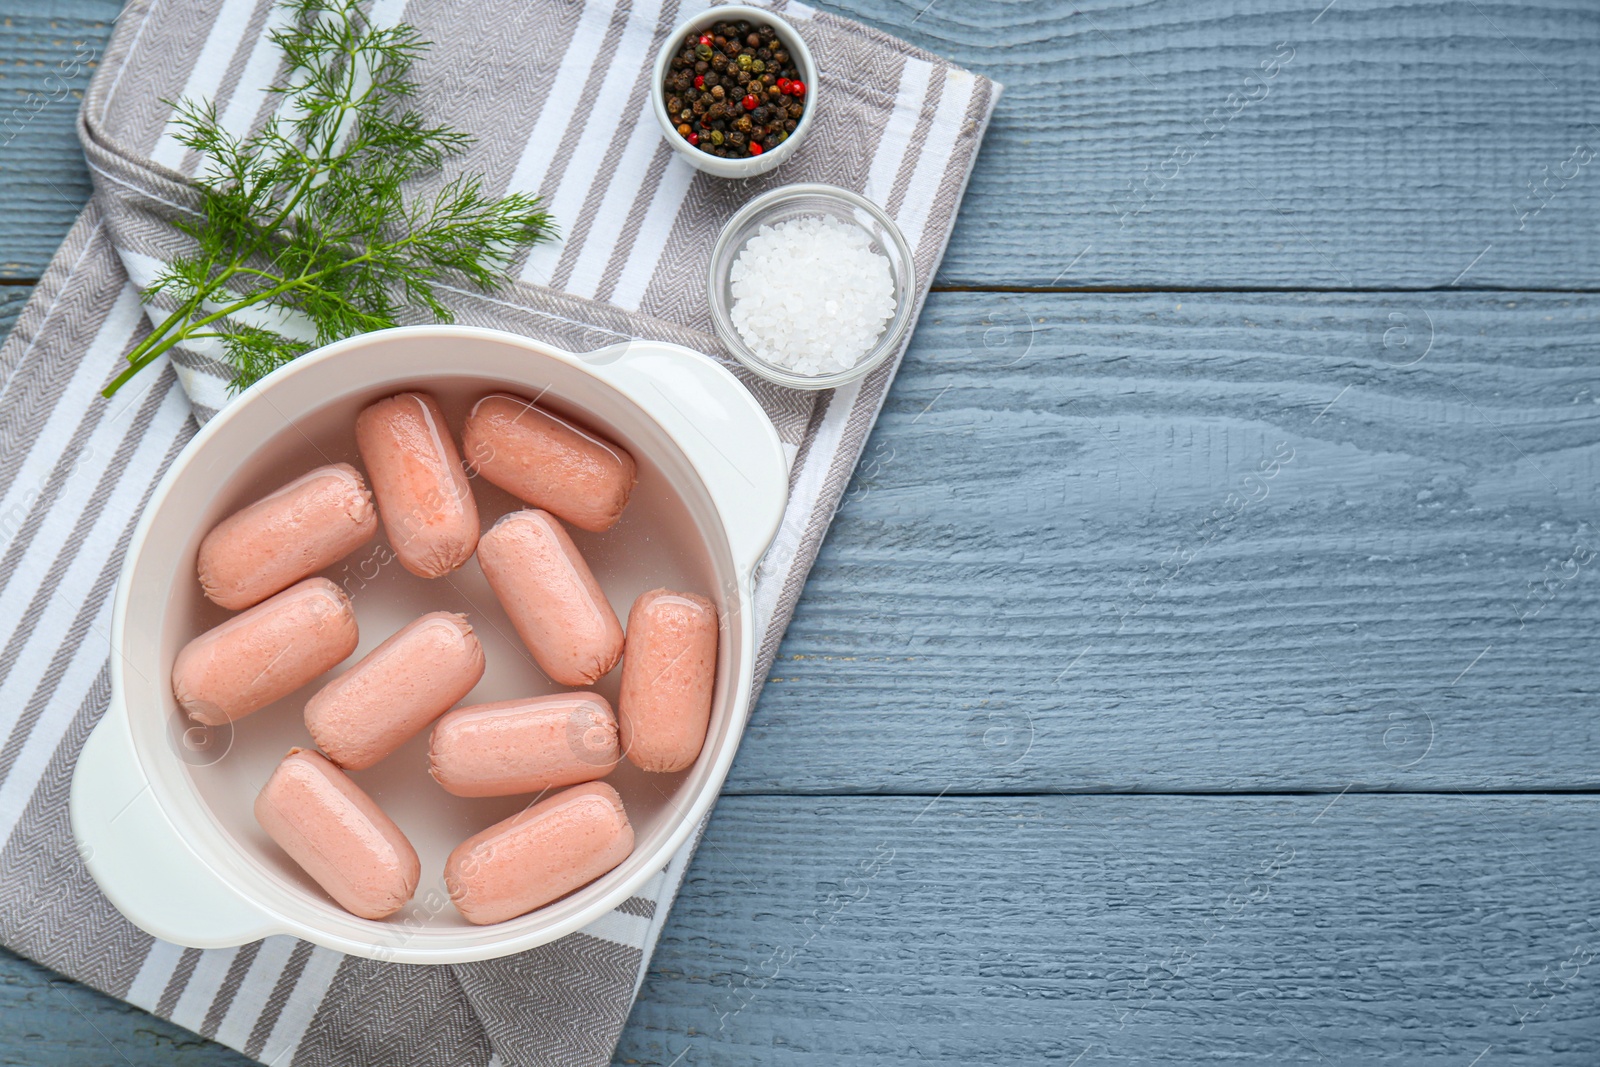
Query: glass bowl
pixel 802 201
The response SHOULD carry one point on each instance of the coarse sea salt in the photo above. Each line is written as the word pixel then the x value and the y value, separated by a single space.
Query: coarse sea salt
pixel 811 295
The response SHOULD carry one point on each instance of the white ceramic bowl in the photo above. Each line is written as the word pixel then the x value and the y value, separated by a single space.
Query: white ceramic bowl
pixel 162 811
pixel 735 168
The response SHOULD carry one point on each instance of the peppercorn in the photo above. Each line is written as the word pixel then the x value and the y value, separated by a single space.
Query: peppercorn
pixel 736 102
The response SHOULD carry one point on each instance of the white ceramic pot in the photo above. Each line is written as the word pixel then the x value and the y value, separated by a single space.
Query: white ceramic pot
pixel 162 812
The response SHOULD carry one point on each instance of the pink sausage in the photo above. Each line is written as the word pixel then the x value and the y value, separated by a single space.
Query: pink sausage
pixel 551 596
pixel 339 835
pixel 313 522
pixel 548 462
pixel 427 506
pixel 540 854
pixel 524 746
pixel 397 689
pixel 266 653
pixel 669 669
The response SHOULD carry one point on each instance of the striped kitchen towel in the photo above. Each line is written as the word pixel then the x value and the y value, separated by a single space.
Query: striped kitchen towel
pixel 556 92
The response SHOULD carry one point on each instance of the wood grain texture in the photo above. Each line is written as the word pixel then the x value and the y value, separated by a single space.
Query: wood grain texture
pixel 1270 930
pixel 1394 147
pixel 50 1021
pixel 1039 582
pixel 48 51
pixel 1039 458
pixel 12 300
pixel 1388 930
pixel 1391 143
pixel 1060 567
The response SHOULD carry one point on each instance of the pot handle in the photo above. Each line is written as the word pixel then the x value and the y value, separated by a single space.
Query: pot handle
pixel 720 427
pixel 137 856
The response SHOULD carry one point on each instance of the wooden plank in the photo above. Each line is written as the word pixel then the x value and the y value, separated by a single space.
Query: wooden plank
pixel 1402 929
pixel 1394 150
pixel 1380 929
pixel 1060 568
pixel 12 300
pixel 49 1021
pixel 1018 501
pixel 48 51
pixel 1355 144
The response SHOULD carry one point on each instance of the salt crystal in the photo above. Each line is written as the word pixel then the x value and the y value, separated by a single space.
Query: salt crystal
pixel 811 295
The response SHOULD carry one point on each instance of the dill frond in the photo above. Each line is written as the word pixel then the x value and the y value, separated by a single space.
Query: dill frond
pixel 308 216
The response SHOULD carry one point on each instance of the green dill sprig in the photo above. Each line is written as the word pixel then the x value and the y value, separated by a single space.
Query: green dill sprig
pixel 305 220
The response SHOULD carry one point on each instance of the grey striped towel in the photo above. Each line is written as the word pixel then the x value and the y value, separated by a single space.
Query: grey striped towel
pixel 541 83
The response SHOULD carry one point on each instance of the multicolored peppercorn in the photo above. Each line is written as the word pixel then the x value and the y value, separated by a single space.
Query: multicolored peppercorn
pixel 733 90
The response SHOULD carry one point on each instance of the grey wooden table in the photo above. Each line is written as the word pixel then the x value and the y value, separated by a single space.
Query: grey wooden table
pixel 1203 665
